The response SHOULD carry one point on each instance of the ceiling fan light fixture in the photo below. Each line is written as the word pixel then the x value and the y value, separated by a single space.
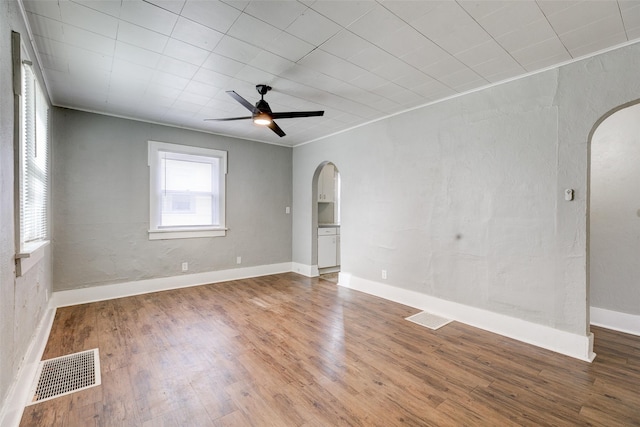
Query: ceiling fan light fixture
pixel 262 119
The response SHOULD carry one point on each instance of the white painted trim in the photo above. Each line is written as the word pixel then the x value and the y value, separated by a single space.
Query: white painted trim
pixel 580 347
pixel 30 256
pixel 618 321
pixel 305 270
pixel 569 344
pixel 18 395
pixel 185 234
pixel 175 126
pixel 477 89
pixel 119 290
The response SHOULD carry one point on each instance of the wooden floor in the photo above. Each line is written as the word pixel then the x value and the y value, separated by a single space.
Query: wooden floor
pixel 286 350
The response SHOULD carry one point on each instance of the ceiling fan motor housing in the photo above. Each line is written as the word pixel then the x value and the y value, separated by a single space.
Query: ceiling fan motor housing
pixel 263 106
pixel 263 89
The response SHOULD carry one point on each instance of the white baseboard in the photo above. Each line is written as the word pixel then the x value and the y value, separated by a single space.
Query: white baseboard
pixel 621 322
pixel 305 270
pixel 18 392
pixel 569 344
pixel 13 407
pixel 577 346
pixel 138 287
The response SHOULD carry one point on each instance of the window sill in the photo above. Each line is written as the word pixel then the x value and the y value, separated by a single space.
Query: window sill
pixel 29 256
pixel 186 234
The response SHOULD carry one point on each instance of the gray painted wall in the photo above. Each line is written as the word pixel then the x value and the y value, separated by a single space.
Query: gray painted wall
pixel 463 200
pixel 23 300
pixel 615 212
pixel 101 203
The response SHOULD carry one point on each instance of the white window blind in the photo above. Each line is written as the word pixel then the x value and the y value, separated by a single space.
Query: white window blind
pixel 33 160
pixel 187 191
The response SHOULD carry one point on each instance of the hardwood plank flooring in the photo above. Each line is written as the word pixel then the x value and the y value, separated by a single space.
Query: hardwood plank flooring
pixel 286 350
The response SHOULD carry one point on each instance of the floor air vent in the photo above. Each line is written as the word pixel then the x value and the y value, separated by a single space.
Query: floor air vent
pixel 64 375
pixel 429 320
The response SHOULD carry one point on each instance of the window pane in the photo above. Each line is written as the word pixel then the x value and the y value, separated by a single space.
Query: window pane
pixel 187 209
pixel 33 174
pixel 187 191
pixel 183 175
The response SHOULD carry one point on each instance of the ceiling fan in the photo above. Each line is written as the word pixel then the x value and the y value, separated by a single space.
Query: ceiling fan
pixel 261 113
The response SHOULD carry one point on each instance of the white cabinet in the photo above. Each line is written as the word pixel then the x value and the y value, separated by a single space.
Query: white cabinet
pixel 327 247
pixel 327 184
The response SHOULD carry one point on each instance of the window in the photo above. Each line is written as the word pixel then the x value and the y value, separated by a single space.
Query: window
pixel 32 174
pixel 34 161
pixel 187 191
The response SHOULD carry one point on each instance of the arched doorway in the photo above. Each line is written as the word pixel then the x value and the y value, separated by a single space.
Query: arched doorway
pixel 326 219
pixel 614 220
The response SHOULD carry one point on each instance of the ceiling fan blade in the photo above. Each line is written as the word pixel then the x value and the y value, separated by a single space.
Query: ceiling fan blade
pixel 228 119
pixel 243 101
pixel 296 114
pixel 274 127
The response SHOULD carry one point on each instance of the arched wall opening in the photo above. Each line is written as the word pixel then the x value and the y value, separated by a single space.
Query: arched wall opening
pixel 613 237
pixel 325 218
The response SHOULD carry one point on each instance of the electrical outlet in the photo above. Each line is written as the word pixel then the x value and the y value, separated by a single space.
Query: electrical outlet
pixel 239 260
pixel 185 266
pixel 384 274
pixel 287 210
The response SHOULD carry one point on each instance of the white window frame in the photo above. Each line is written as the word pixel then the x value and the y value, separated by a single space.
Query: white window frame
pixel 156 231
pixel 32 240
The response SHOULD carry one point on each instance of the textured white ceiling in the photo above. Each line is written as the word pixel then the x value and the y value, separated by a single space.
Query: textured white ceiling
pixel 171 61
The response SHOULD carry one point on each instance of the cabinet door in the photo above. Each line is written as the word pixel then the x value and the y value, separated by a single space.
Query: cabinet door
pixel 327 255
pixel 327 184
pixel 321 179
